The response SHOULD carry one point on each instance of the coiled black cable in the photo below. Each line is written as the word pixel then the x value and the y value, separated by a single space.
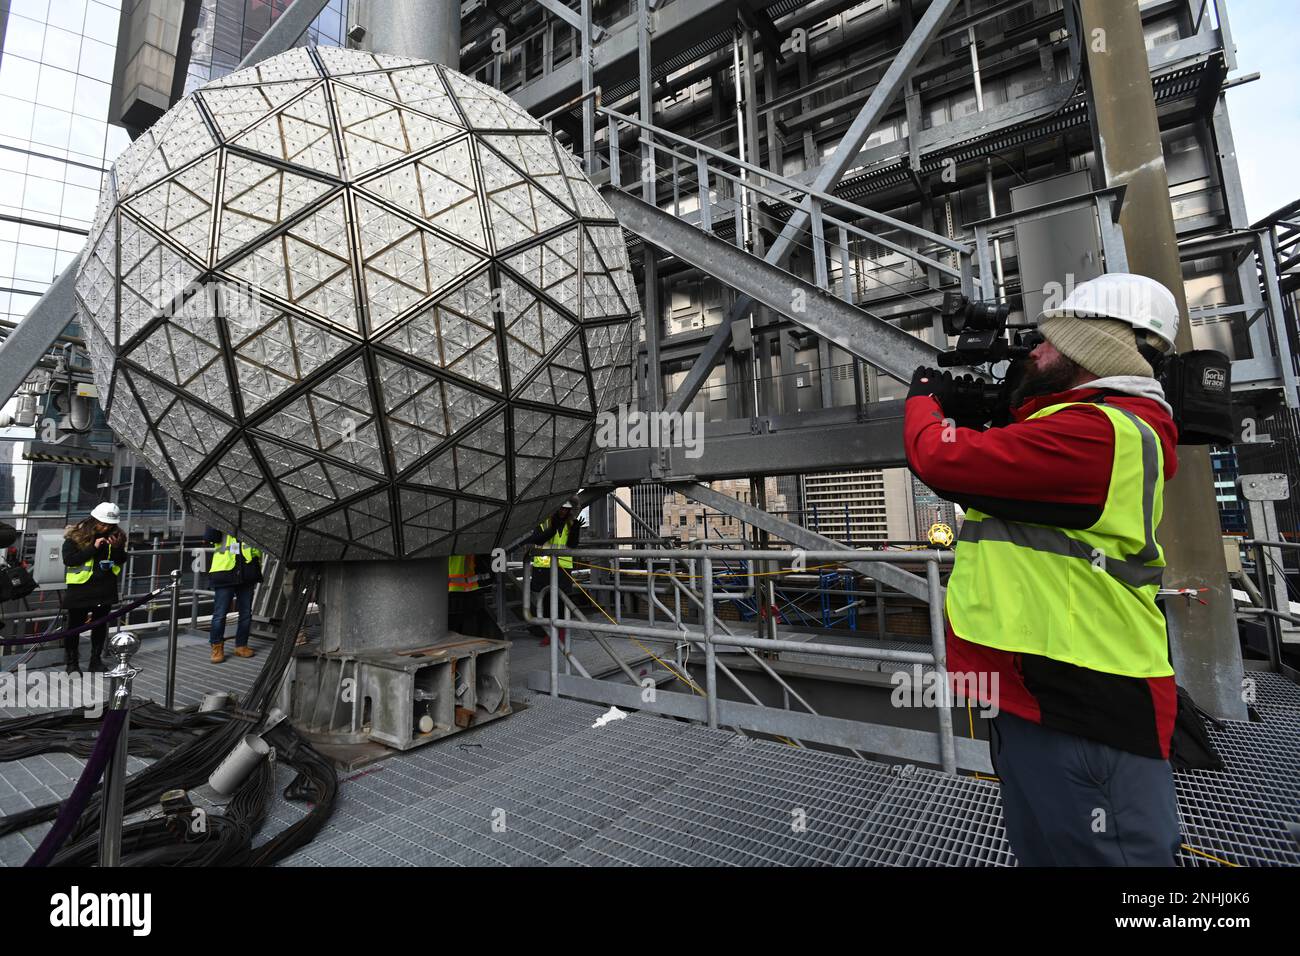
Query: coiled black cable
pixel 227 840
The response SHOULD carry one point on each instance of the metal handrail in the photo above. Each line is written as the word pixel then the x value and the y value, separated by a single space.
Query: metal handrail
pixel 951 244
pixel 708 637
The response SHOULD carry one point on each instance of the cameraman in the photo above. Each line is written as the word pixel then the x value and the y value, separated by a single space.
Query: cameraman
pixel 1056 573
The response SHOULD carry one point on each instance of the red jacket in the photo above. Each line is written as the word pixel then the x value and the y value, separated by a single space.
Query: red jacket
pixel 1055 471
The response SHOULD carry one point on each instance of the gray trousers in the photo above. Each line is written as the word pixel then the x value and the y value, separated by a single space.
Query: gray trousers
pixel 1069 801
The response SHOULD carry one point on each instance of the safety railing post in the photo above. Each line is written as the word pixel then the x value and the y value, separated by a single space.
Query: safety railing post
pixel 710 652
pixel 173 633
pixel 123 646
pixel 706 199
pixel 821 270
pixel 1272 625
pixel 880 610
pixel 615 165
pixel 947 747
pixel 552 630
pixel 618 590
pixel 650 589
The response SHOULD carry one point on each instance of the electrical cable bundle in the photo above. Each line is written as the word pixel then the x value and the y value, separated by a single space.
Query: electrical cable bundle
pixel 316 783
pixel 155 732
pixel 227 838
pixel 188 837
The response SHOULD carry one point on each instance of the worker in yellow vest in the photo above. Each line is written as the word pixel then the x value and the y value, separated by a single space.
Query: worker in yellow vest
pixel 234 572
pixel 465 593
pixel 563 529
pixel 94 550
pixel 1051 605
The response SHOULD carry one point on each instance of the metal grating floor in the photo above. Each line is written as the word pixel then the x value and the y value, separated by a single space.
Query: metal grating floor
pixel 526 810
pixel 543 787
pixel 46 778
pixel 1274 692
pixel 1241 814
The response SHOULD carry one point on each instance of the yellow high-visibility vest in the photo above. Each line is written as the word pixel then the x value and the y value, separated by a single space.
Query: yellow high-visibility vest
pixel 558 540
pixel 460 573
pixel 1085 597
pixel 84 572
pixel 223 558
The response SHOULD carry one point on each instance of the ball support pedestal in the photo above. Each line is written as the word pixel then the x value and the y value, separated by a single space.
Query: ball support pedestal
pixel 387 667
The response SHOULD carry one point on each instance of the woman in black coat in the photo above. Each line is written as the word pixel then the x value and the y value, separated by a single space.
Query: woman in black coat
pixel 94 550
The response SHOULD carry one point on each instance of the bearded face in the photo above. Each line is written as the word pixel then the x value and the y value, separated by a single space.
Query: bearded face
pixel 1044 372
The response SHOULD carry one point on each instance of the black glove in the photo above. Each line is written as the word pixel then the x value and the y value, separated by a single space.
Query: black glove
pixel 931 381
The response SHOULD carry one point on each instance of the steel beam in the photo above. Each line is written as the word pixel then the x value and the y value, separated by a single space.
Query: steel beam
pixel 556 8
pixel 886 346
pixel 287 30
pixel 843 446
pixel 911 584
pixel 893 80
pixel 27 343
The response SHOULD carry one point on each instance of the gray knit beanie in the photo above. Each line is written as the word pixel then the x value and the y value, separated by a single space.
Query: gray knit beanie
pixel 1104 347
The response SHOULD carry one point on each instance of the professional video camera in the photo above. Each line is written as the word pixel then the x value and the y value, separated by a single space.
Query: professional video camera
pixel 1197 383
pixel 981 329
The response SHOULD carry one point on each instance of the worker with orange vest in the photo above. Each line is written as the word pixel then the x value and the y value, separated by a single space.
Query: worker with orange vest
pixel 465 593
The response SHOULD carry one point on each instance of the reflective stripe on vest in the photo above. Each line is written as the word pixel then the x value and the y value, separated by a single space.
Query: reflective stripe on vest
pixel 1086 597
pixel 84 572
pixel 223 558
pixel 461 575
pixel 558 540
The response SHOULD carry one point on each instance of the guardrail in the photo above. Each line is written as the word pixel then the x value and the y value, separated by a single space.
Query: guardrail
pixel 940 747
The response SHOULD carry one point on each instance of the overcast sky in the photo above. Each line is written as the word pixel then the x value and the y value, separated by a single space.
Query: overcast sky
pixel 1265 114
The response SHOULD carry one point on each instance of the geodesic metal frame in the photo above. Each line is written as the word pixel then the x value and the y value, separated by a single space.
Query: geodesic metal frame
pixel 357 307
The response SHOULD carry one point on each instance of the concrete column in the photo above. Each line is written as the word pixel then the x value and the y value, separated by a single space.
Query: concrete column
pixel 1203 637
pixel 383 605
pixel 428 29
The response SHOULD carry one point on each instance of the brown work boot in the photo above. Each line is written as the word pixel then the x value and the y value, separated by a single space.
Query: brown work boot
pixel 244 651
pixel 218 653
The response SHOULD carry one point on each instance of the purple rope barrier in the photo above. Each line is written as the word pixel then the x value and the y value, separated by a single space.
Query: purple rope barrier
pixel 75 805
pixel 69 631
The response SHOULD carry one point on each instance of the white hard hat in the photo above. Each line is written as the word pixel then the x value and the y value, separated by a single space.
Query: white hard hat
pixel 107 512
pixel 1139 301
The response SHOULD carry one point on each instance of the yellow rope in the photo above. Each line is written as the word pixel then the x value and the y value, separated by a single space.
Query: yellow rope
pixel 1192 849
pixel 662 663
pixel 970 717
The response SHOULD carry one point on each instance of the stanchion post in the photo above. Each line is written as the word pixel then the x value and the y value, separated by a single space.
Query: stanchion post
pixel 123 646
pixel 173 632
pixel 710 651
pixel 554 614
